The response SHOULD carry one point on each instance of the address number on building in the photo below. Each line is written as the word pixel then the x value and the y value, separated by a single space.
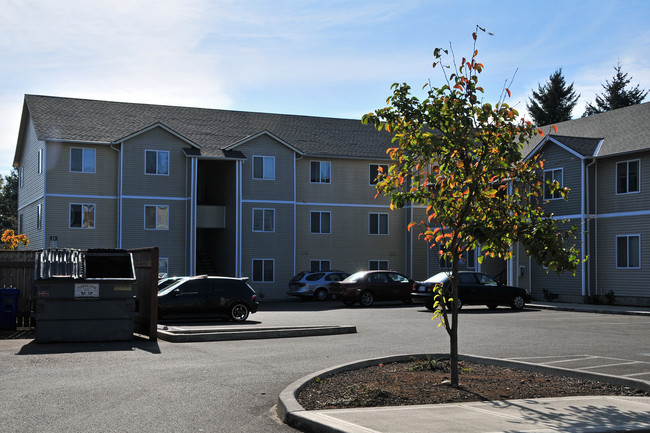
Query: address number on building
pixel 86 290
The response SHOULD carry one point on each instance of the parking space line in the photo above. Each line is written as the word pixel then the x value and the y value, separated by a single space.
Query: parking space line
pixel 613 365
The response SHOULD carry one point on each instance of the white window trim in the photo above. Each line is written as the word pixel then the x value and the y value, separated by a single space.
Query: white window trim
pixel 264 157
pixel 39 166
pixel 157 152
pixel 82 160
pixel 320 225
pixel 552 170
pixel 627 162
pixel 370 214
pixel 257 259
pixel 319 163
pixel 370 173
pixel 320 262
pixel 156 206
pixel 379 262
pixel 82 216
pixel 39 217
pixel 263 220
pixel 21 177
pixel 628 236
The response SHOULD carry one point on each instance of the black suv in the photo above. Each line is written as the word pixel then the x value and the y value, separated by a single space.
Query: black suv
pixel 208 296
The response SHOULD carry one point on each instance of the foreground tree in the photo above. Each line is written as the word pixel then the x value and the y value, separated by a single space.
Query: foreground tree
pixel 461 159
pixel 553 102
pixel 616 94
pixel 9 200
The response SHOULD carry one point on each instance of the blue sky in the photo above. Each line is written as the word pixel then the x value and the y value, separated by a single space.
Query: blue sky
pixel 321 58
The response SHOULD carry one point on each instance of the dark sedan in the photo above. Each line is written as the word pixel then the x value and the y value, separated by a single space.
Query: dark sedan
pixel 474 288
pixel 366 287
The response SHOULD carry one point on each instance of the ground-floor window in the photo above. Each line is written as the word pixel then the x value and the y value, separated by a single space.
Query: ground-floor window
pixel 376 265
pixel 163 267
pixel 319 265
pixel 156 217
pixel 263 270
pixel 82 216
pixel 628 251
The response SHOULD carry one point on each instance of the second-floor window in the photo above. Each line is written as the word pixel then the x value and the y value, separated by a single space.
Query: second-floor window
pixel 377 265
pixel 375 170
pixel 263 220
pixel 378 223
pixel 320 222
pixel 264 167
pixel 551 176
pixel 156 162
pixel 320 171
pixel 40 161
pixel 627 177
pixel 82 160
pixel 156 217
pixel 628 251
pixel 82 216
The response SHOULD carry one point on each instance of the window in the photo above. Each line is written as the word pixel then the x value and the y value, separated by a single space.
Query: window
pixel 156 217
pixel 82 216
pixel 39 156
pixel 627 177
pixel 471 259
pixel 444 260
pixel 320 171
pixel 377 265
pixel 319 265
pixel 264 167
pixel 163 267
pixel 39 216
pixel 378 223
pixel 628 252
pixel 320 222
pixel 552 176
pixel 156 162
pixel 82 160
pixel 263 220
pixel 20 176
pixel 375 170
pixel 263 271
pixel 21 228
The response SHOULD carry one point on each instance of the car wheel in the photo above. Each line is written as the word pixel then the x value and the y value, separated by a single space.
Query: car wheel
pixel 492 306
pixel 517 303
pixel 429 306
pixel 320 295
pixel 239 312
pixel 366 299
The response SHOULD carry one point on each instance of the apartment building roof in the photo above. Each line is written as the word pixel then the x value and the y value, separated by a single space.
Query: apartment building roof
pixel 210 131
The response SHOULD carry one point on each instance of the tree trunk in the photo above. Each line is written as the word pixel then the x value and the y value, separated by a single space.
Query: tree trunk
pixel 453 334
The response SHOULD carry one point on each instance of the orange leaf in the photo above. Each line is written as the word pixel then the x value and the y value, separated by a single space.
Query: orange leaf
pixel 509 94
pixel 555 127
pixel 540 132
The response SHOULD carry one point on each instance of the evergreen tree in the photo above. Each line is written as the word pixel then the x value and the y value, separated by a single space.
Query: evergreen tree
pixel 616 95
pixel 9 201
pixel 553 102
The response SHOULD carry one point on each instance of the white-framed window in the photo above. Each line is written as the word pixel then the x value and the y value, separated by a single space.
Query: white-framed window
pixel 39 216
pixel 319 265
pixel 82 160
pixel 375 170
pixel 443 259
pixel 40 157
pixel 82 216
pixel 321 171
pixel 470 257
pixel 321 222
pixel 628 175
pixel 263 270
pixel 21 176
pixel 628 251
pixel 156 162
pixel 377 223
pixel 264 167
pixel 163 267
pixel 21 224
pixel 156 217
pixel 551 176
pixel 377 265
pixel 263 220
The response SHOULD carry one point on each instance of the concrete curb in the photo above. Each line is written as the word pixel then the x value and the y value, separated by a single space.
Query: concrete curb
pixel 228 334
pixel 589 308
pixel 293 414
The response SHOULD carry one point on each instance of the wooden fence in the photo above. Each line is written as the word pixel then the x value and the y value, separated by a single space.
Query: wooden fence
pixel 17 269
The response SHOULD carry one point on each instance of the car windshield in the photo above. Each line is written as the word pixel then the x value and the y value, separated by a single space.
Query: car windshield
pixel 171 287
pixel 356 276
pixel 440 277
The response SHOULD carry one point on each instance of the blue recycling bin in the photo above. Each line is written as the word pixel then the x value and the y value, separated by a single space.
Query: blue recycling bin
pixel 8 308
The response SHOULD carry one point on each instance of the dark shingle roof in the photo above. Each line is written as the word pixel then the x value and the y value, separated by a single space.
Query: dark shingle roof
pixel 71 119
pixel 584 146
pixel 623 130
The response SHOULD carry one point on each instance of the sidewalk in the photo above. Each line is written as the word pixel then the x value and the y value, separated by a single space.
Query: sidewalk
pixel 574 414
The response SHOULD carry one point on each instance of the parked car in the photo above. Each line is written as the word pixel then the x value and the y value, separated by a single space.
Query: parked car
pixel 366 287
pixel 203 296
pixel 314 284
pixel 168 281
pixel 474 288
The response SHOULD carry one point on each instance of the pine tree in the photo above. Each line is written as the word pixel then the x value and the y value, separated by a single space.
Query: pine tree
pixel 9 201
pixel 553 102
pixel 616 95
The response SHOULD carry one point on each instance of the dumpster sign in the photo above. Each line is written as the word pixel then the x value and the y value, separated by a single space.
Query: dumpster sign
pixel 86 290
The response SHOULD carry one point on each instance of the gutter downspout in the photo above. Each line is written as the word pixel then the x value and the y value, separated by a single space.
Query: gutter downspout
pixel 238 213
pixel 193 174
pixel 120 160
pixel 585 266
